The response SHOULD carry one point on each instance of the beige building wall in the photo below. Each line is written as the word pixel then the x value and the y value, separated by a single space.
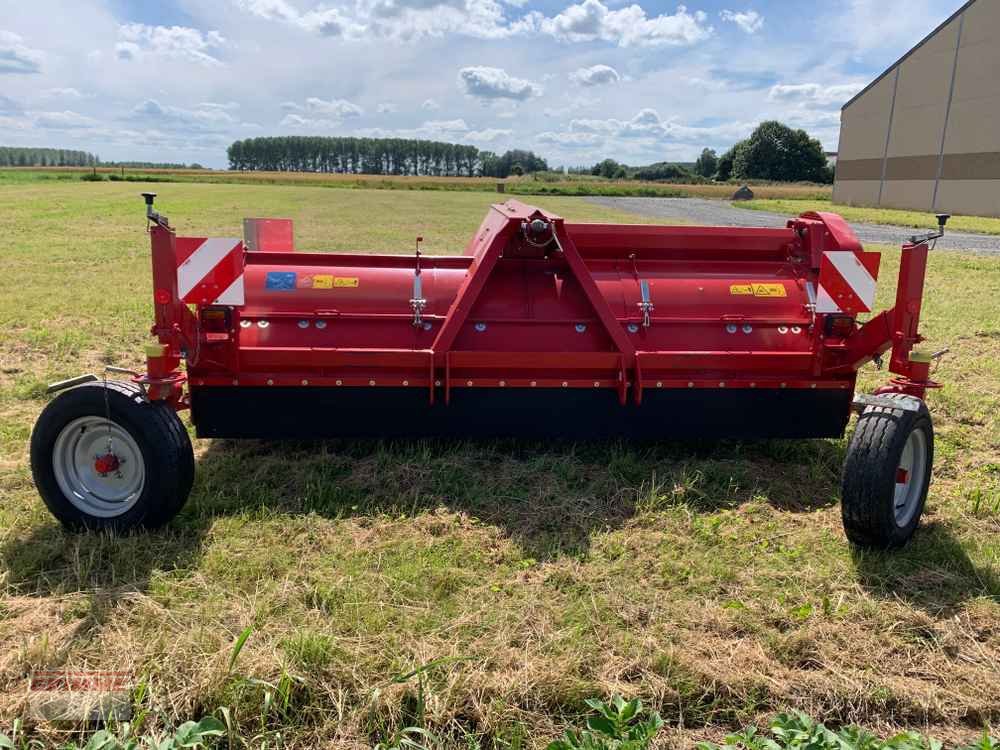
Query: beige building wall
pixel 924 135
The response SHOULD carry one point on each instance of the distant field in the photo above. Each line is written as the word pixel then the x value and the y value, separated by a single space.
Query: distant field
pixel 713 581
pixel 891 216
pixel 549 184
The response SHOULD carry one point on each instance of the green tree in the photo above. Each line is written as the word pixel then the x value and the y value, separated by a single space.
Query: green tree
pixel 707 164
pixel 724 169
pixel 663 171
pixel 776 152
pixel 607 168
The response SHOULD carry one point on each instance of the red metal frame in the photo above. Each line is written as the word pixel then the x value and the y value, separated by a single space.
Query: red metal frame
pixel 727 308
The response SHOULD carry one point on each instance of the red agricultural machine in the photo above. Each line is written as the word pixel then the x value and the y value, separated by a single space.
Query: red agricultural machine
pixel 541 328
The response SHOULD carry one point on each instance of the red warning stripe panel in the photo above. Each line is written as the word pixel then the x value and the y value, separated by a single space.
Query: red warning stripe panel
pixel 847 282
pixel 210 270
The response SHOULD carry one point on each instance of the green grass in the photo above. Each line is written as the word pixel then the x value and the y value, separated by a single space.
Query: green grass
pixel 714 582
pixel 547 183
pixel 891 216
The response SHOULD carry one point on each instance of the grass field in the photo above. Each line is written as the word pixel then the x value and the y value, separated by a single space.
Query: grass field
pixel 711 580
pixel 550 183
pixel 891 216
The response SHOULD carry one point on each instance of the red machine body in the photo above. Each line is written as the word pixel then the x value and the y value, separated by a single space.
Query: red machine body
pixel 541 327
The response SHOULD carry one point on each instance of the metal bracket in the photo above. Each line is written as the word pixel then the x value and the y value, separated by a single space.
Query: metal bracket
pixel 646 306
pixel 418 303
pixel 418 306
pixel 62 385
pixel 919 239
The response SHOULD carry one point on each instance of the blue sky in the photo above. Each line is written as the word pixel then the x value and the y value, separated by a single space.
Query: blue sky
pixel 573 80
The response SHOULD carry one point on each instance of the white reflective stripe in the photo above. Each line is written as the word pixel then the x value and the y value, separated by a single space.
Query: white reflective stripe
pixel 201 262
pixel 233 294
pixel 855 274
pixel 825 303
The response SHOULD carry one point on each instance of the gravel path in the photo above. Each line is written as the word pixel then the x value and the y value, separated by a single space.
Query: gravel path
pixel 721 213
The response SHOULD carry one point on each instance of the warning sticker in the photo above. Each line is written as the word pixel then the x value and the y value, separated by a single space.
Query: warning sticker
pixel 322 281
pixel 327 281
pixel 769 290
pixel 741 289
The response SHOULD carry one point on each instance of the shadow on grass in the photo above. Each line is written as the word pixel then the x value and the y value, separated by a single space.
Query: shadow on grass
pixel 933 572
pixel 549 497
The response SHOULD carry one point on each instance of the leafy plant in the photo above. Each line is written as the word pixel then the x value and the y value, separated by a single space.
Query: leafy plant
pixel 618 726
pixel 796 731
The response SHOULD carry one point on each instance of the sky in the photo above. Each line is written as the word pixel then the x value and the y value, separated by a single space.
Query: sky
pixel 573 80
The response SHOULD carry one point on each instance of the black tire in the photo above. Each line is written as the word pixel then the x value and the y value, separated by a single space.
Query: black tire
pixel 163 442
pixel 870 475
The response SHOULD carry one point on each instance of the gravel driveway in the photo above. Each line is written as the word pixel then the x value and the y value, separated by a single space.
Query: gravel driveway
pixel 721 213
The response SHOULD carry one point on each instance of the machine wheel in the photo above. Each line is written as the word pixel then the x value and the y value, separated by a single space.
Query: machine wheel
pixel 134 471
pixel 886 475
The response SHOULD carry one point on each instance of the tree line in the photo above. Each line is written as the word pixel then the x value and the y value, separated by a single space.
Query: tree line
pixel 15 156
pixel 773 152
pixel 388 156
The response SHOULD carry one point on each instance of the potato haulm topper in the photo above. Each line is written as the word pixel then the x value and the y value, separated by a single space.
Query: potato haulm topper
pixel 541 329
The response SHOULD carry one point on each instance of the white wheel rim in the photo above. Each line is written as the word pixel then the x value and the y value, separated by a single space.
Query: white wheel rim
pixel 76 463
pixel 910 478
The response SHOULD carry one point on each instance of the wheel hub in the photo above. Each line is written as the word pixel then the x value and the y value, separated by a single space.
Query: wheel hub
pixel 98 465
pixel 106 464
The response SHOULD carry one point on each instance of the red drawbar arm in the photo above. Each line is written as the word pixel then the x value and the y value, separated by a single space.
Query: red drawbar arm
pixel 898 328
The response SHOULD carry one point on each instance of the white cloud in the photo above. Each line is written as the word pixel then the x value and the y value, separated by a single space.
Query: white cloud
pixel 298 122
pixel 176 42
pixel 749 21
pixel 337 109
pixel 397 19
pixel 430 105
pixel 453 131
pixel 814 94
pixel 67 120
pixel 169 117
pixel 385 108
pixel 647 125
pixel 629 26
pixel 595 75
pixel 319 114
pixel 61 93
pixel 495 83
pixel 410 20
pixel 446 126
pixel 488 135
pixel 228 106
pixel 812 120
pixel 271 10
pixel 16 57
pixel 569 140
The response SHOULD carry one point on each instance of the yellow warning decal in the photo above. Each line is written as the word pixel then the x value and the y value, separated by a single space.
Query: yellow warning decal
pixel 741 289
pixel 769 290
pixel 346 281
pixel 322 281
